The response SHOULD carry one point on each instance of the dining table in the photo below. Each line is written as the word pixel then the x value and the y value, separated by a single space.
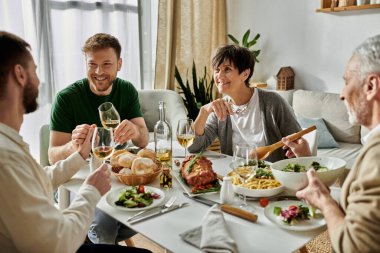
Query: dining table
pixel 261 236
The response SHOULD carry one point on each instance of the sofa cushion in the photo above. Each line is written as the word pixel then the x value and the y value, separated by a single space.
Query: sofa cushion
pixel 317 104
pixel 175 109
pixel 325 139
pixel 346 151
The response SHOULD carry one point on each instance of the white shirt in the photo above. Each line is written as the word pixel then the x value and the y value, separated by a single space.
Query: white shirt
pixel 374 130
pixel 247 126
pixel 29 220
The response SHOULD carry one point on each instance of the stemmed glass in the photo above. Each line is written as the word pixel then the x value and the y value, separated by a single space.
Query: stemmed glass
pixel 102 143
pixel 109 116
pixel 185 133
pixel 244 164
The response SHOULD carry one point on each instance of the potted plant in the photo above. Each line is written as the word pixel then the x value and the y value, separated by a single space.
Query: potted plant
pixel 199 94
pixel 245 42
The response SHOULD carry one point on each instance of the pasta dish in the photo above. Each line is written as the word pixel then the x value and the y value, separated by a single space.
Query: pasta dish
pixel 263 179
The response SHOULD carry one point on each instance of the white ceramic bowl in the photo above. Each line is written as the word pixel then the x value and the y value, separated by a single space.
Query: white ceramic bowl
pixel 294 181
pixel 256 193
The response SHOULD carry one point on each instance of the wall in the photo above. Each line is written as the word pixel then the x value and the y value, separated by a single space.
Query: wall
pixel 316 45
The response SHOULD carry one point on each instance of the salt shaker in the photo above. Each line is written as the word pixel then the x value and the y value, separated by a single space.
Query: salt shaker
pixel 227 192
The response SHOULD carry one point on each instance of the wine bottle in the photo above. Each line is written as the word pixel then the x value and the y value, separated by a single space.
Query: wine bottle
pixel 163 138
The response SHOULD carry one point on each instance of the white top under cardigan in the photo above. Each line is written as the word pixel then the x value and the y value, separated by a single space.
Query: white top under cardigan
pixel 247 126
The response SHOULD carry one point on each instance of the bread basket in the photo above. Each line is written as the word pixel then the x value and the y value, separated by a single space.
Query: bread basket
pixel 124 159
pixel 133 179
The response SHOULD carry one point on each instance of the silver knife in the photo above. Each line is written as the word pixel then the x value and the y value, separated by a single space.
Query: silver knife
pixel 226 208
pixel 201 200
pixel 205 155
pixel 157 213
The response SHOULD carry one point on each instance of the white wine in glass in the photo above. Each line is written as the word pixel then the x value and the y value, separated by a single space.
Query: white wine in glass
pixel 109 116
pixel 185 133
pixel 103 143
pixel 244 164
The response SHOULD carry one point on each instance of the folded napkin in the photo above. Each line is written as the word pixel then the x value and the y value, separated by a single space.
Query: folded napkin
pixel 213 235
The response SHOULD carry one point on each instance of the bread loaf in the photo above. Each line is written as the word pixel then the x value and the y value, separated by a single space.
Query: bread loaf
pixel 148 153
pixel 126 160
pixel 143 165
pixel 116 155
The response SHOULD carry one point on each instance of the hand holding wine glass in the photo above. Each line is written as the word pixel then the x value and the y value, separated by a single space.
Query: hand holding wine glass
pixel 185 133
pixel 244 164
pixel 109 116
pixel 102 143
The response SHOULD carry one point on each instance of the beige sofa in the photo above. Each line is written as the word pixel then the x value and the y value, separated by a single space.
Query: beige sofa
pixel 329 107
pixel 175 109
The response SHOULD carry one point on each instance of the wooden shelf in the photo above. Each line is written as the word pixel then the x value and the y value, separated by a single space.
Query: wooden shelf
pixel 349 8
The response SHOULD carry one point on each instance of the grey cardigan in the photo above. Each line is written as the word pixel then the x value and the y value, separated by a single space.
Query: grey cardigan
pixel 278 121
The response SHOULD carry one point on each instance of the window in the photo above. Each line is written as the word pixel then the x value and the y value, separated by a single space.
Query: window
pixel 57 30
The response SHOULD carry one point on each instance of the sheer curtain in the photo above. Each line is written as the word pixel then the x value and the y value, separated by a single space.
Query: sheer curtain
pixel 187 31
pixel 75 21
pixel 57 30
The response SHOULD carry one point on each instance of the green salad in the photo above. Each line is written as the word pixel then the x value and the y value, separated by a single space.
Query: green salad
pixel 295 167
pixel 136 197
pixel 292 214
pixel 260 164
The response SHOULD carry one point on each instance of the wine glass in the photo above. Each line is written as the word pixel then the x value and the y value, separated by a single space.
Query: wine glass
pixel 102 143
pixel 244 164
pixel 185 133
pixel 109 116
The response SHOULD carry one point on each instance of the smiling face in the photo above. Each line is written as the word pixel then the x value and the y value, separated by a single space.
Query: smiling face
pixel 102 67
pixel 227 78
pixel 354 96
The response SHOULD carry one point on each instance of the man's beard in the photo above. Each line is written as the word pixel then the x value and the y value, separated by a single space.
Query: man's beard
pixel 360 115
pixel 30 97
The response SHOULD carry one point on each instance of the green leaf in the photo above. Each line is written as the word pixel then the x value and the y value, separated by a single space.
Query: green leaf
pixel 251 43
pixel 245 38
pixel 233 39
pixel 245 42
pixel 277 210
pixel 257 37
pixel 198 95
pixel 195 80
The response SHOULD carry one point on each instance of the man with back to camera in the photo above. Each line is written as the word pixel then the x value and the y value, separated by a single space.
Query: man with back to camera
pixel 354 223
pixel 29 221
pixel 76 107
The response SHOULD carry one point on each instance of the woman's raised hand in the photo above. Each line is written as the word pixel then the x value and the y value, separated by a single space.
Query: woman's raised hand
pixel 220 107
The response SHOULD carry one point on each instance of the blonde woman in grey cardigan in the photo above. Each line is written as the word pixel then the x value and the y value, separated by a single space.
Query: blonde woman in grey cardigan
pixel 244 114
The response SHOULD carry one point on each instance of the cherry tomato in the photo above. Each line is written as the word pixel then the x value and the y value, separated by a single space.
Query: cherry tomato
pixel 141 189
pixel 264 202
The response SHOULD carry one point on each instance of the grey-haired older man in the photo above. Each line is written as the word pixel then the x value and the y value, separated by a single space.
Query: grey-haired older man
pixel 354 223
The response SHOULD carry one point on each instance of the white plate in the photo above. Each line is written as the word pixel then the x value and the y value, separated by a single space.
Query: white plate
pixel 186 187
pixel 312 223
pixel 257 193
pixel 113 196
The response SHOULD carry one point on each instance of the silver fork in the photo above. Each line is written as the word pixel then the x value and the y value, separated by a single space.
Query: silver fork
pixel 168 204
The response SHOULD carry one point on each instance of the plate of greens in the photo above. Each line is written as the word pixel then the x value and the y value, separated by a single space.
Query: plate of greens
pixel 294 215
pixel 135 198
